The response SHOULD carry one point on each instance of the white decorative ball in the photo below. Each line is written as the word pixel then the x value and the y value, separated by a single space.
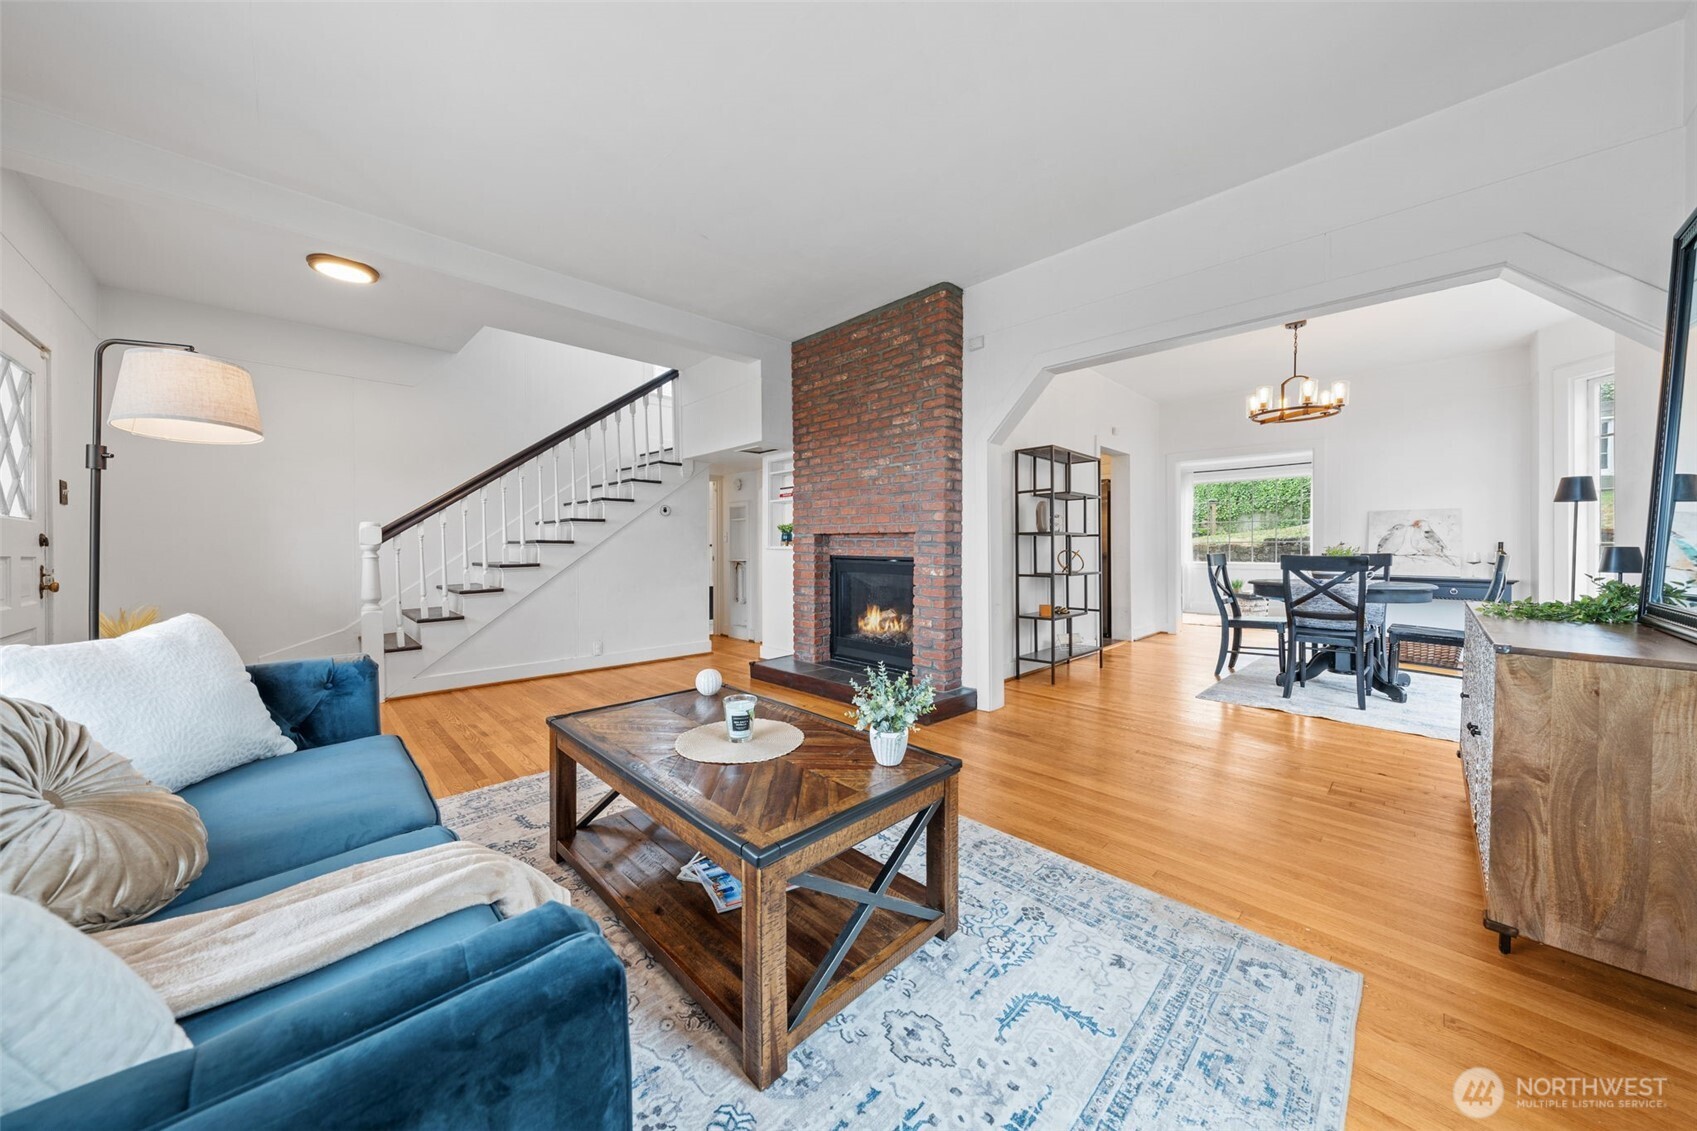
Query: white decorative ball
pixel 708 681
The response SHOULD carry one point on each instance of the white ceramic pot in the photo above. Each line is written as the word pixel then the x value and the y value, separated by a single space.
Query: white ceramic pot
pixel 889 749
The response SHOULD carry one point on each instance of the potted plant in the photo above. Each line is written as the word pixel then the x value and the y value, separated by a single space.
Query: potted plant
pixel 887 707
pixel 1341 550
pixel 786 531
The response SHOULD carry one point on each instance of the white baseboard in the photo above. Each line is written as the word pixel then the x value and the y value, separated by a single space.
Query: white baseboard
pixel 448 681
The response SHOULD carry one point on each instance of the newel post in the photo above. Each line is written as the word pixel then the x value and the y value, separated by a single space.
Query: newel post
pixel 371 597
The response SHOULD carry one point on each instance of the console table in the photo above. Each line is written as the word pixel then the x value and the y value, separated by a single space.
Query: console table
pixel 1579 744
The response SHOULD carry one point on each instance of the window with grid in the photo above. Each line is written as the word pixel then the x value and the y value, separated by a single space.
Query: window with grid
pixel 17 445
pixel 1252 515
pixel 1602 406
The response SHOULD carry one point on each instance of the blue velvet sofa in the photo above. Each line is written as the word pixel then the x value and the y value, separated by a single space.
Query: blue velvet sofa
pixel 469 1021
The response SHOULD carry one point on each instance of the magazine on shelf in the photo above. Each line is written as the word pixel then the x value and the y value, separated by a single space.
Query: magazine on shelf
pixel 723 888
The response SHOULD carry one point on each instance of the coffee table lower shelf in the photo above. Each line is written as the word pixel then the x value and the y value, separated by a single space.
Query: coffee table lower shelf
pixel 632 863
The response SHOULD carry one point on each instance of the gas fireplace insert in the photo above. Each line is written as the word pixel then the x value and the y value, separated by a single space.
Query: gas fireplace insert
pixel 872 611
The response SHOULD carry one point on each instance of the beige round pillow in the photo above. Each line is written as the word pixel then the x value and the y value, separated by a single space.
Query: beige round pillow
pixel 81 832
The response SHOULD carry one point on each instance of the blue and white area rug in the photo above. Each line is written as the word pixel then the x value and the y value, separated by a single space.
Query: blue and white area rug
pixel 1068 998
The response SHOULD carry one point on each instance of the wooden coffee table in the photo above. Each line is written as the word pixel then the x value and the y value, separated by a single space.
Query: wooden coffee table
pixel 775 970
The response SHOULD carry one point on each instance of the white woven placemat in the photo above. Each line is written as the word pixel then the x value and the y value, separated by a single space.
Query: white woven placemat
pixel 772 739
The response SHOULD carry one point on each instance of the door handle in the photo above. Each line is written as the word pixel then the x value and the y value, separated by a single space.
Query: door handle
pixel 46 583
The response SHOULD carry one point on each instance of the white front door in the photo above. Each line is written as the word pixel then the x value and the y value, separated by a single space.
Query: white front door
pixel 24 561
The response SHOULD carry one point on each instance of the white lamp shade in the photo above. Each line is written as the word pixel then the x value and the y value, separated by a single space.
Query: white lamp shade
pixel 187 397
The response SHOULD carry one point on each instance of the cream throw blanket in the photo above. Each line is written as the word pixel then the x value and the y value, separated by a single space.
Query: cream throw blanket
pixel 204 960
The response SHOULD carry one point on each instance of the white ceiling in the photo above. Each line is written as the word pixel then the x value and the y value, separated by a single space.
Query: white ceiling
pixel 775 167
pixel 1473 319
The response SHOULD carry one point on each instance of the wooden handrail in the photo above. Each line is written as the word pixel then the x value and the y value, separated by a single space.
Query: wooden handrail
pixel 448 498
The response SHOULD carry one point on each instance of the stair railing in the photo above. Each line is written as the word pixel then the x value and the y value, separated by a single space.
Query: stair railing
pixel 605 453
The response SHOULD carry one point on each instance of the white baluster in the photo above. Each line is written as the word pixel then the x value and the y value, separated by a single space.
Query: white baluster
pixel 647 452
pixel 556 456
pixel 618 458
pixel 522 521
pixel 421 589
pixel 631 412
pixel 442 551
pixel 501 540
pixel 465 555
pixel 606 473
pixel 397 544
pixel 483 533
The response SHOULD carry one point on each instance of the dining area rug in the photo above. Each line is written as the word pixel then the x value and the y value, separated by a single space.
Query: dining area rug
pixel 1433 708
pixel 1068 998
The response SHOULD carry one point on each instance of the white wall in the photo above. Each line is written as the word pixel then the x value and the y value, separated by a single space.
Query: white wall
pixel 1570 181
pixel 1458 433
pixel 721 400
pixel 1087 412
pixel 261 539
pixel 48 291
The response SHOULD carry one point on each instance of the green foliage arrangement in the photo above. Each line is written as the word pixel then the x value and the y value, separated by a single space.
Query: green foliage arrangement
pixel 786 530
pixel 891 704
pixel 1341 550
pixel 1615 602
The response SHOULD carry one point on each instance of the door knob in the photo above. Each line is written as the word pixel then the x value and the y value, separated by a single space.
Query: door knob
pixel 47 584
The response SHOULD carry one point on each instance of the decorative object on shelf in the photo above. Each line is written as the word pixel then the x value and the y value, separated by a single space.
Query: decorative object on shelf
pixel 1061 611
pixel 708 681
pixel 1307 402
pixel 1045 610
pixel 1340 550
pixel 127 621
pixel 770 738
pixel 739 717
pixel 1043 516
pixel 1070 561
pixel 1621 560
pixel 1615 602
pixel 1575 489
pixel 167 391
pixel 1425 540
pixel 887 707
pixel 786 532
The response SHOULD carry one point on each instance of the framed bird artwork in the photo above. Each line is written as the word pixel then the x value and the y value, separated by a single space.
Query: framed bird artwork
pixel 1421 542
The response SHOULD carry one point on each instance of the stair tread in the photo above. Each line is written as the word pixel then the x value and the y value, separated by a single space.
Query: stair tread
pixel 545 542
pixel 551 522
pixel 610 499
pixel 400 642
pixel 625 479
pixel 430 614
pixel 506 565
pixel 473 590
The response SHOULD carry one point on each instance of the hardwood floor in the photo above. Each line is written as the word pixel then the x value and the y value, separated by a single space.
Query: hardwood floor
pixel 1351 843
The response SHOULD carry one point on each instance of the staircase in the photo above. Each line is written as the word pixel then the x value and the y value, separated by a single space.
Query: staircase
pixel 438 577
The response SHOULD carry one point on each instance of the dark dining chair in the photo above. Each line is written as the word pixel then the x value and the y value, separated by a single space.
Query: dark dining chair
pixel 1400 634
pixel 1233 622
pixel 1326 607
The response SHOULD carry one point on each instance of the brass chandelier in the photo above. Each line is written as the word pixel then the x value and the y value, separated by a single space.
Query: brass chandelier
pixel 1306 402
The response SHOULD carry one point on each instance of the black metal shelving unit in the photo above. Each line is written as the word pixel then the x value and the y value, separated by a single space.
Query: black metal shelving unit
pixel 1066 481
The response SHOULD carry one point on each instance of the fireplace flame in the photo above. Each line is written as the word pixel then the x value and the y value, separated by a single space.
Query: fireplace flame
pixel 879 621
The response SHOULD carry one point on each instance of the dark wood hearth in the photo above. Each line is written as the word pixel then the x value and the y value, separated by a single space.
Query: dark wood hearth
pixel 832 682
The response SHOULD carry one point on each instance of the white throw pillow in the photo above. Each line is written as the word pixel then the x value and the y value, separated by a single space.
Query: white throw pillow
pixel 74 1012
pixel 172 698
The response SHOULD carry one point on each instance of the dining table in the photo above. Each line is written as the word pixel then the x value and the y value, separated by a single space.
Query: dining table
pixel 1380 591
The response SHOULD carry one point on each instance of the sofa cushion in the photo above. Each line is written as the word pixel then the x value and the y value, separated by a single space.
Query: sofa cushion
pixel 280 814
pixel 173 698
pixel 253 889
pixel 81 832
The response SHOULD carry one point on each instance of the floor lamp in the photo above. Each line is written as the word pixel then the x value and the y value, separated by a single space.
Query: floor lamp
pixel 1575 489
pixel 168 391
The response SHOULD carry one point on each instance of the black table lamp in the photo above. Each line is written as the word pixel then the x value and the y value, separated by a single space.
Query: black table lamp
pixel 1620 560
pixel 1685 488
pixel 1575 489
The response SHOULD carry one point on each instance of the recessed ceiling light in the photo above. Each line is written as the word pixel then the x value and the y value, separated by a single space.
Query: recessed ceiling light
pixel 340 269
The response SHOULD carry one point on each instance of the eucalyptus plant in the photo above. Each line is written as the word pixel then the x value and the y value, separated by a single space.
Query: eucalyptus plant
pixel 1615 602
pixel 891 704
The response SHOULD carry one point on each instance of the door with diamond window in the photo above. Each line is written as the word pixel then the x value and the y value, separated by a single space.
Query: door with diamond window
pixel 24 570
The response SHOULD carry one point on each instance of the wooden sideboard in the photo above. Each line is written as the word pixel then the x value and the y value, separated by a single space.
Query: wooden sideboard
pixel 1579 744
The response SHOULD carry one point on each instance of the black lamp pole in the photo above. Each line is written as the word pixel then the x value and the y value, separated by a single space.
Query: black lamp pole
pixel 1575 489
pixel 96 460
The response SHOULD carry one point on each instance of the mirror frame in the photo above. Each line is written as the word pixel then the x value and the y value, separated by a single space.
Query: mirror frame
pixel 1676 619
